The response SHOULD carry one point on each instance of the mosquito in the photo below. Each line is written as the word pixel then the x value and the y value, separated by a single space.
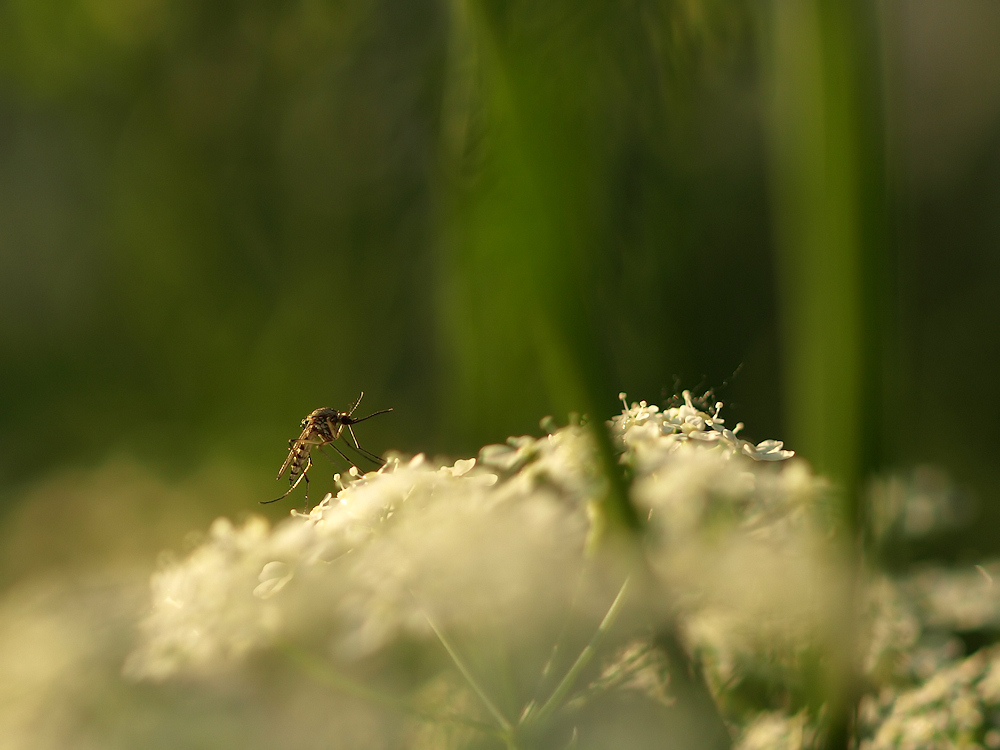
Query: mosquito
pixel 321 427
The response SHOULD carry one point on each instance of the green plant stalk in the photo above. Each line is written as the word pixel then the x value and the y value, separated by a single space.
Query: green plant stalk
pixel 560 327
pixel 566 684
pixel 478 689
pixel 323 673
pixel 829 197
pixel 523 239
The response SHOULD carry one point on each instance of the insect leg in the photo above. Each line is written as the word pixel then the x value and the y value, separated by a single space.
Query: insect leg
pixel 362 451
pixel 294 484
pixel 305 475
pixel 290 489
pixel 268 502
pixel 335 426
pixel 368 455
pixel 343 455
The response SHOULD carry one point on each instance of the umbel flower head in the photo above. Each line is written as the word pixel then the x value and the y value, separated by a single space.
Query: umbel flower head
pixel 474 582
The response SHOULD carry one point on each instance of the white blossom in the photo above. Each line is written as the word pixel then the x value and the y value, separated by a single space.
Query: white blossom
pixel 954 708
pixel 688 423
pixel 494 550
pixel 776 731
pixel 433 606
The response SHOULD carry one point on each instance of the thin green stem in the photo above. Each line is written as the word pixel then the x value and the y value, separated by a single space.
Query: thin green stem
pixel 470 678
pixel 322 672
pixel 555 653
pixel 585 657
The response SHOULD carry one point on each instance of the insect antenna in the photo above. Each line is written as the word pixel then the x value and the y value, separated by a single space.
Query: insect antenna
pixel 349 420
pixel 361 396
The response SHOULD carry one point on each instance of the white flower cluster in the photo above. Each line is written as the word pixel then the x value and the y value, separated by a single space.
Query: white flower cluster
pixel 777 731
pixel 685 423
pixel 432 606
pixel 738 543
pixel 915 621
pixel 496 554
pixel 956 708
pixel 925 691
pixel 392 553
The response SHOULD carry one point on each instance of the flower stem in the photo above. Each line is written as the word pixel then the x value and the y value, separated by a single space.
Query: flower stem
pixel 566 684
pixel 502 720
pixel 322 672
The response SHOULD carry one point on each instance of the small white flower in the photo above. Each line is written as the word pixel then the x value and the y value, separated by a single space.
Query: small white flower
pixel 641 423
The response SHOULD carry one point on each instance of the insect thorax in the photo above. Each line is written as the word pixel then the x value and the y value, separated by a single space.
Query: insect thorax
pixel 321 422
pixel 321 415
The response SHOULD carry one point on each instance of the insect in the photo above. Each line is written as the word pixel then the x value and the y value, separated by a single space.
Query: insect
pixel 321 427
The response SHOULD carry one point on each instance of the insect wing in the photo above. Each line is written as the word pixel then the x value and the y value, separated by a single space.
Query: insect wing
pixel 295 449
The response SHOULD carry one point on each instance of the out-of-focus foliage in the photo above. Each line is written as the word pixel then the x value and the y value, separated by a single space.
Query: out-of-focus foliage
pixel 483 604
pixel 218 217
pixel 487 596
pixel 215 217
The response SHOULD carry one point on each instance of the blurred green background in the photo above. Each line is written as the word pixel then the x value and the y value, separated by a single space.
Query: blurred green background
pixel 216 217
